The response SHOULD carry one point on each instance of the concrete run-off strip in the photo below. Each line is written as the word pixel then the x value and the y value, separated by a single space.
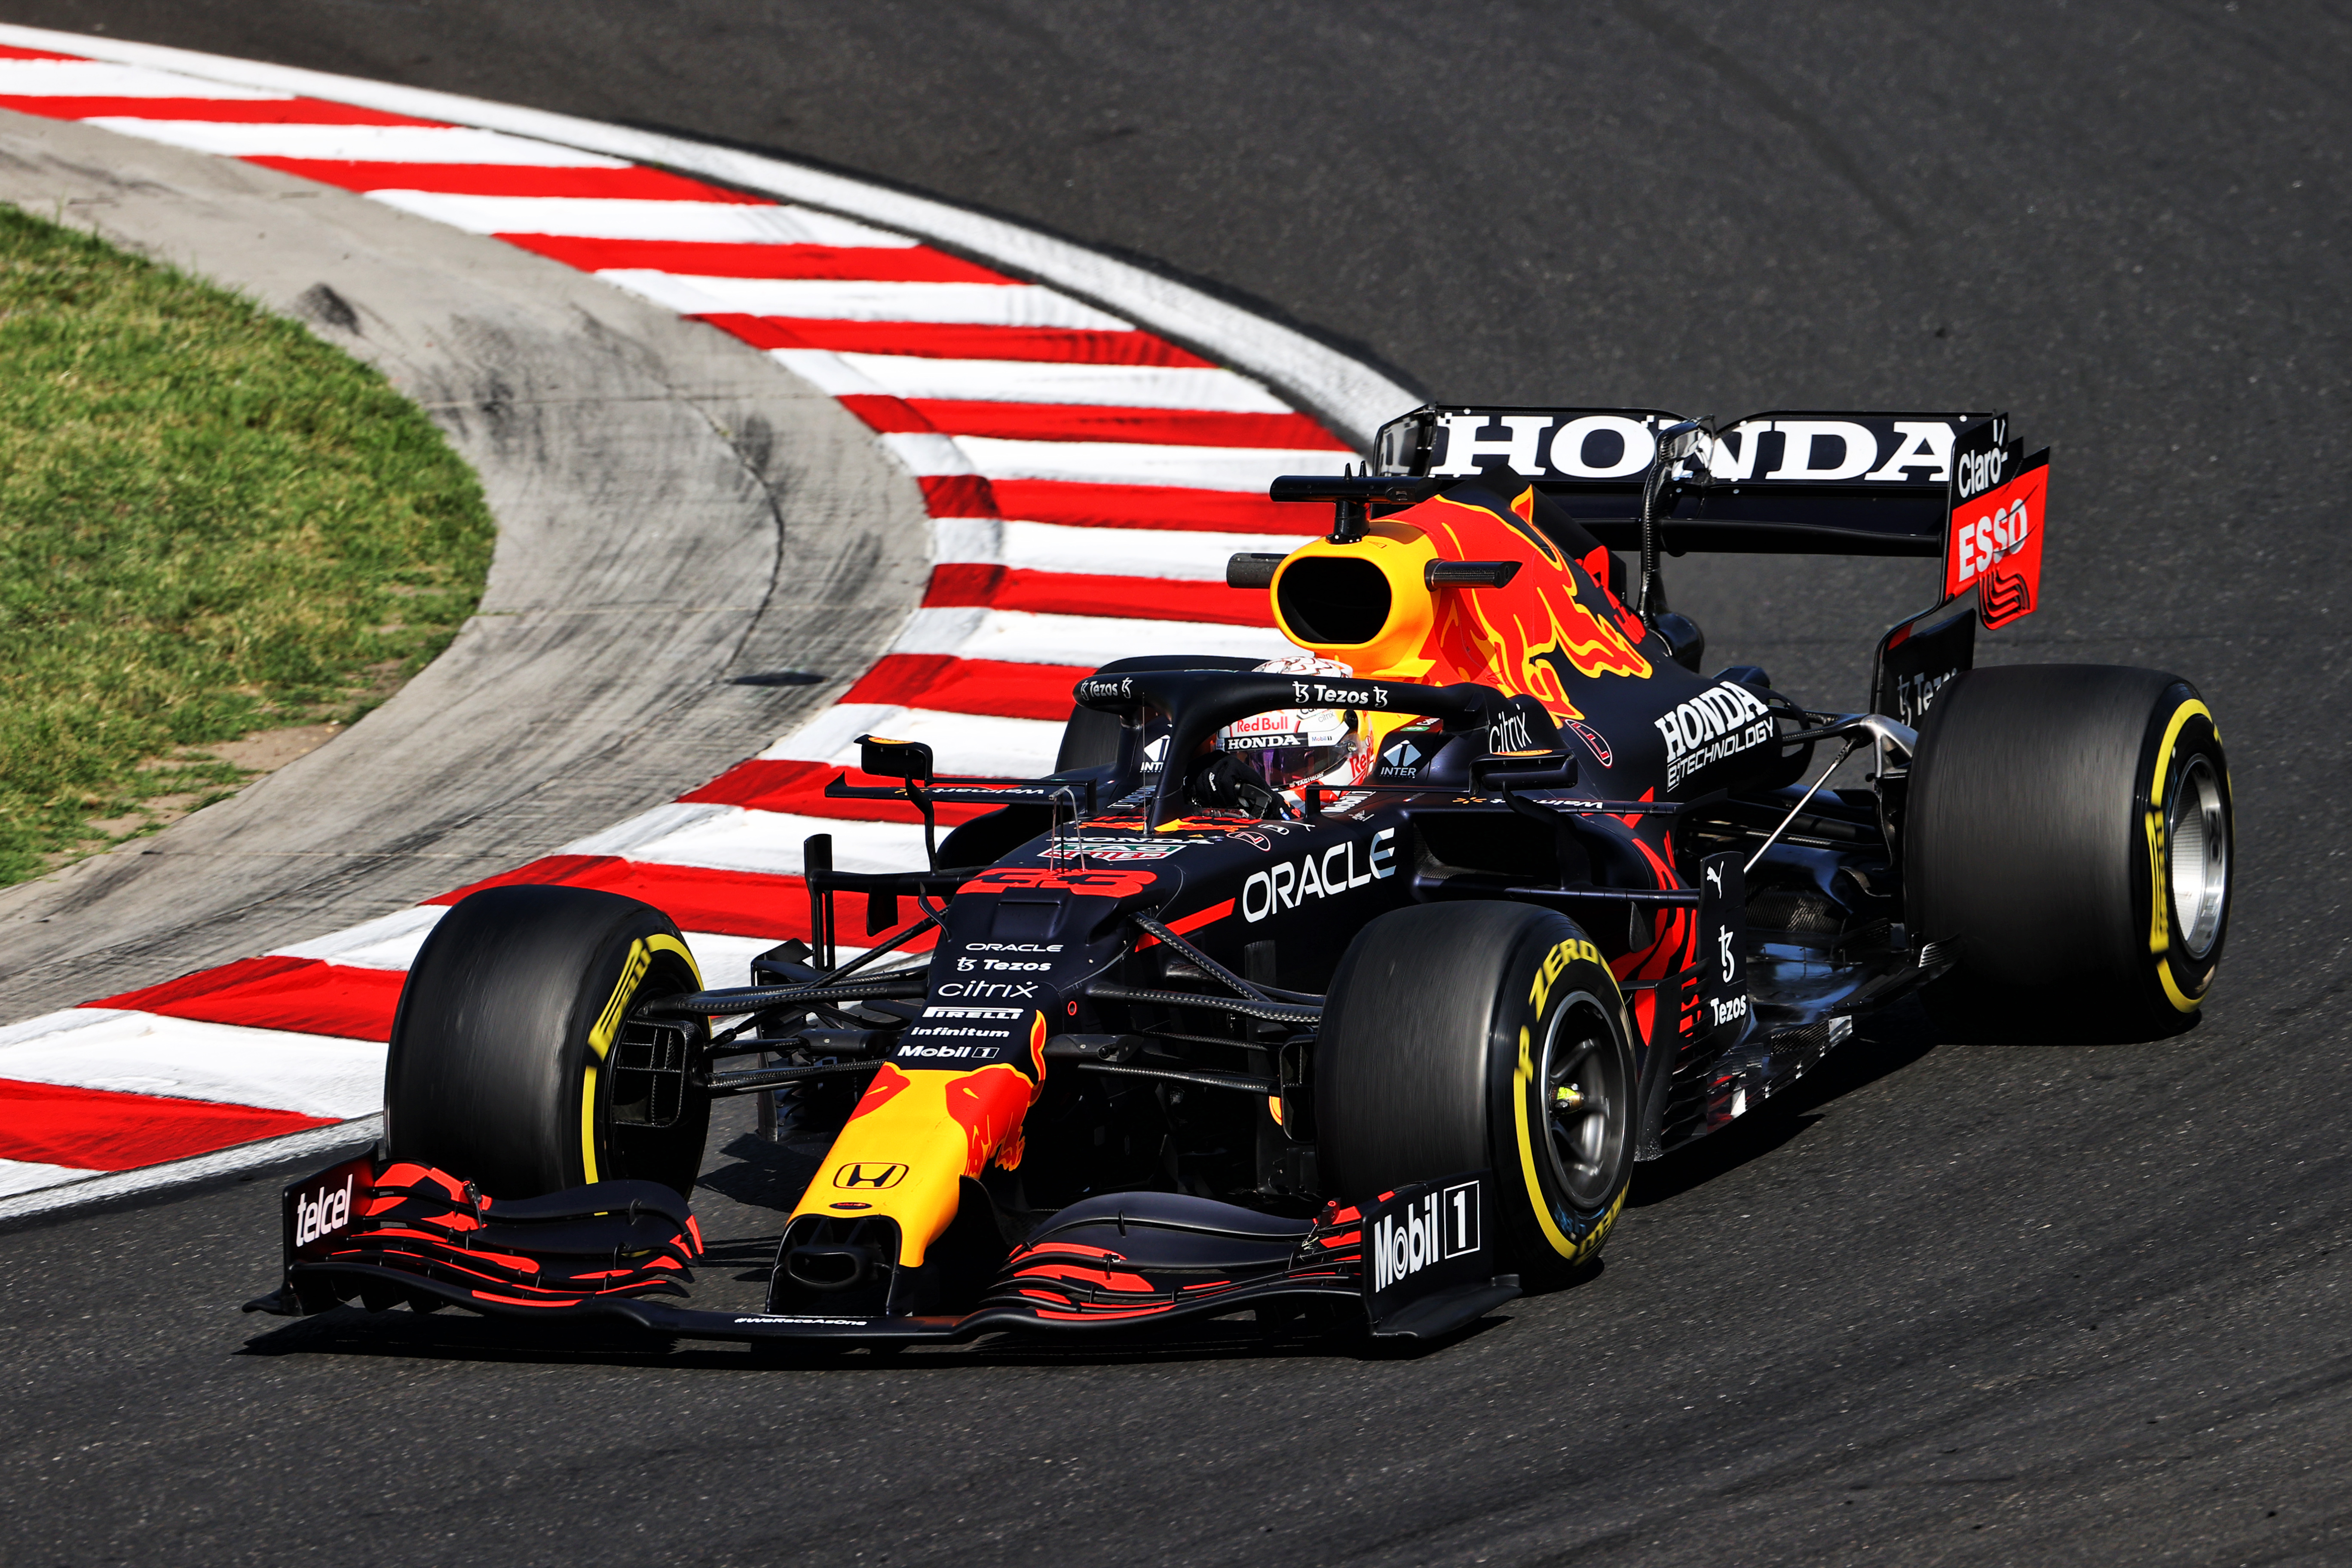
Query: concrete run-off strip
pixel 674 508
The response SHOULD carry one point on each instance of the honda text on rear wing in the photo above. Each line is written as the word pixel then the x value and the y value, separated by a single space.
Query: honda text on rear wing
pixel 1776 483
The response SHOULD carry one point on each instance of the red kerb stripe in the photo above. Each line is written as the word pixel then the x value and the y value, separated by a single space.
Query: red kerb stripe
pixel 732 903
pixel 1085 422
pixel 934 340
pixel 1081 594
pixel 217 110
pixel 507 180
pixel 953 685
pixel 98 1130
pixel 695 258
pixel 303 995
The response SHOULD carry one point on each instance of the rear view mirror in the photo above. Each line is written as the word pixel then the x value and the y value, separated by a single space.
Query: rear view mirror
pixel 1679 441
pixel 889 759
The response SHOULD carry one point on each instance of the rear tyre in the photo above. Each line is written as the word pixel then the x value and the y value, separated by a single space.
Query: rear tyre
pixel 2069 826
pixel 506 1044
pixel 1467 1036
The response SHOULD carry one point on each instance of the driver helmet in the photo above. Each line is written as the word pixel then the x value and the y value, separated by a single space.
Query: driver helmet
pixel 1293 747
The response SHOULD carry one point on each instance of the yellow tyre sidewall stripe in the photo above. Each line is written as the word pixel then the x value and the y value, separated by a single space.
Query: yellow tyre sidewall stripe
pixel 1523 1074
pixel 607 1027
pixel 2159 857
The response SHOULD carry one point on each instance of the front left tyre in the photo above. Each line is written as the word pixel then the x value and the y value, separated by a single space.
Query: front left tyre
pixel 513 1035
pixel 1466 1035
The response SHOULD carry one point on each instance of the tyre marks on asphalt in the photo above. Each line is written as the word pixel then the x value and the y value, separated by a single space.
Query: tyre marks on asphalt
pixel 1087 479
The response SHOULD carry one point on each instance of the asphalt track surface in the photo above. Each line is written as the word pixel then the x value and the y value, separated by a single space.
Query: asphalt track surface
pixel 1956 1302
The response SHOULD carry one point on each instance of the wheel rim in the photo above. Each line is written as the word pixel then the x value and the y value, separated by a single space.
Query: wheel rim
pixel 1586 1106
pixel 2196 831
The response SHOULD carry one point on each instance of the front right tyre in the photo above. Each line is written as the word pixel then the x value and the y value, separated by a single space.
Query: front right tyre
pixel 513 1038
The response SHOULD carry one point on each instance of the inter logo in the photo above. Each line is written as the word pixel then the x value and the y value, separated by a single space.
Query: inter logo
pixel 870 1175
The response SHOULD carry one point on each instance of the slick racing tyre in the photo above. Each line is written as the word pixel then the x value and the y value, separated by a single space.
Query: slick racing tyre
pixel 2069 828
pixel 1466 1035
pixel 1090 738
pixel 513 1038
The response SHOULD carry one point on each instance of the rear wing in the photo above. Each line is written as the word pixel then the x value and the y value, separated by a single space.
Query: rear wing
pixel 1786 482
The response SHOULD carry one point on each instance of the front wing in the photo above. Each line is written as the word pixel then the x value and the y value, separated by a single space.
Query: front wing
pixel 1416 1262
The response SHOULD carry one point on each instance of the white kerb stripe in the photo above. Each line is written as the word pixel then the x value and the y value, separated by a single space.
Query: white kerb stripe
pixel 726 960
pixel 1101 385
pixel 147 1053
pixel 962 742
pixel 81 1188
pixel 1018 636
pixel 30 1176
pixel 829 373
pixel 770 842
pixel 389 942
pixel 357 143
pixel 599 217
pixel 624 838
pixel 92 78
pixel 1135 463
pixel 927 453
pixel 1126 552
pixel 975 304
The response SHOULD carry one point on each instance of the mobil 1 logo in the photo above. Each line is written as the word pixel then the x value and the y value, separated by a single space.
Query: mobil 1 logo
pixel 1425 1239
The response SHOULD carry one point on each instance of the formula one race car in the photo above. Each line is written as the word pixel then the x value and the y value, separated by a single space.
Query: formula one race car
pixel 1353 985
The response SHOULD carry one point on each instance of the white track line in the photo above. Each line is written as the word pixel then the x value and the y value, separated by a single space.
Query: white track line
pixel 101 79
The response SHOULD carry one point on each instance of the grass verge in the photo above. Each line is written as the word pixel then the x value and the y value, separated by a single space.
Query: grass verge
pixel 211 523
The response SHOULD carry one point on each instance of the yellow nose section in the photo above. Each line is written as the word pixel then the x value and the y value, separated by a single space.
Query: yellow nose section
pixel 910 1142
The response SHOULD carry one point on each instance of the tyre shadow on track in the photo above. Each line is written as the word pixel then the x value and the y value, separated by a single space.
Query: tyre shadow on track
pixel 457 1336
